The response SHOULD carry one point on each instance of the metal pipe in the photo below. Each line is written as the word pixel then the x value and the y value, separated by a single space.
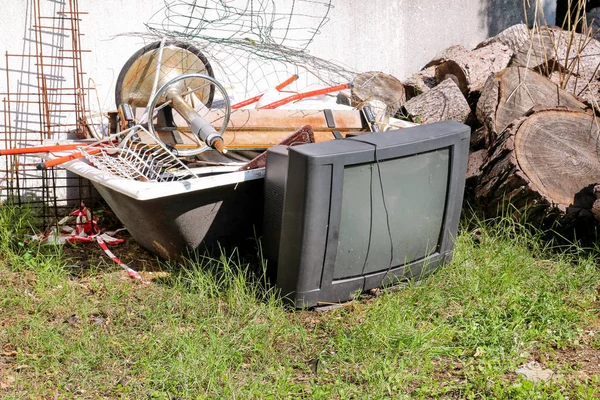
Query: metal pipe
pixel 200 127
pixel 187 112
pixel 158 70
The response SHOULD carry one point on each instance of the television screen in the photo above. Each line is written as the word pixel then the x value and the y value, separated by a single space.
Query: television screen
pixel 353 214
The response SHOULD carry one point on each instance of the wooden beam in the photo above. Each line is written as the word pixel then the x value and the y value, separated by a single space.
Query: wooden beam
pixel 279 120
pixel 240 140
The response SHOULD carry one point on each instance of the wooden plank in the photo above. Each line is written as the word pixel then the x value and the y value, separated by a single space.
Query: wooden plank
pixel 261 129
pixel 278 120
pixel 240 140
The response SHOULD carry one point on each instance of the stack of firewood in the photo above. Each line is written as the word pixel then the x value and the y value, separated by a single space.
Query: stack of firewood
pixel 531 98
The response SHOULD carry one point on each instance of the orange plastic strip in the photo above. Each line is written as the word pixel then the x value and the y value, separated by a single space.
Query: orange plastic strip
pixel 254 99
pixel 59 160
pixel 299 96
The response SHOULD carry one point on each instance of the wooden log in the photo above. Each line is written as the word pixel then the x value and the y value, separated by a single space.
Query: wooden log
pixel 586 91
pixel 478 138
pixel 449 53
pixel 570 59
pixel 471 69
pixel 425 79
pixel 476 161
pixel 537 52
pixel 443 102
pixel 420 82
pixel 552 49
pixel 513 37
pixel 512 93
pixel 378 86
pixel 577 53
pixel 541 167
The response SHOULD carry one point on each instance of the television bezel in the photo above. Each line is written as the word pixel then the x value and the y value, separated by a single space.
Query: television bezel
pixel 305 262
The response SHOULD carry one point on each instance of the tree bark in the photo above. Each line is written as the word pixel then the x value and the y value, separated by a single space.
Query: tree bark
pixel 542 167
pixel 513 37
pixel 443 102
pixel 552 49
pixel 471 69
pixel 596 205
pixel 478 139
pixel 586 91
pixel 448 54
pixel 420 83
pixel 476 161
pixel 537 51
pixel 512 93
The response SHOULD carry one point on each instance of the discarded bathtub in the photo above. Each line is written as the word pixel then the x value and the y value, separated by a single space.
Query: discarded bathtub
pixel 171 219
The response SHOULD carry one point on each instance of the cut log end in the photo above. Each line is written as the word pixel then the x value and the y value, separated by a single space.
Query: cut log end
pixel 513 92
pixel 451 70
pixel 470 70
pixel 558 151
pixel 378 86
pixel 542 166
pixel 420 82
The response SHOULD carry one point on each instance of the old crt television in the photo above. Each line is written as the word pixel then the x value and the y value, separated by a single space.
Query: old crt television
pixel 353 214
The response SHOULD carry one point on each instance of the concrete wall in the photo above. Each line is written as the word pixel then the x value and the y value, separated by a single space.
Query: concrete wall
pixel 397 37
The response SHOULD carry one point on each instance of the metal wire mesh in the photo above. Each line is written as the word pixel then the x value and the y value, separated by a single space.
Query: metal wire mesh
pixel 252 45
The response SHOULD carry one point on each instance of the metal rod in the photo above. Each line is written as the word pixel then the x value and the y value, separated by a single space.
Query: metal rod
pixel 53 53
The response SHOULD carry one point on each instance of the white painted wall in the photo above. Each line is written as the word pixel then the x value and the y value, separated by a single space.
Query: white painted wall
pixel 394 36
pixel 399 37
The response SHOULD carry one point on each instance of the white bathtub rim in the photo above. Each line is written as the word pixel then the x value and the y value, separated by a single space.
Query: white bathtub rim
pixel 153 190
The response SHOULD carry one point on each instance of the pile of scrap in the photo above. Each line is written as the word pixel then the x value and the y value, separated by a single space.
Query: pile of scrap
pixel 181 166
pixel 531 98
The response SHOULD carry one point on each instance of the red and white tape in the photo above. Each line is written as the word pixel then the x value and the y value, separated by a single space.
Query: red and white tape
pixel 133 274
pixel 86 230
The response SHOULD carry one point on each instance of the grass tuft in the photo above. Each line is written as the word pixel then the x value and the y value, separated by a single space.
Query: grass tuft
pixel 214 329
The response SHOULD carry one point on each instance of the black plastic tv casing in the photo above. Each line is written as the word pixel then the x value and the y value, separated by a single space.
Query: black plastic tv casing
pixel 303 197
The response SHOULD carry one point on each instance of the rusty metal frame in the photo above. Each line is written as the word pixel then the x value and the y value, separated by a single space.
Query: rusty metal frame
pixel 56 57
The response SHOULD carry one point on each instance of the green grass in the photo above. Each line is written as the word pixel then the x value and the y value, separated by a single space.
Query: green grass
pixel 213 329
